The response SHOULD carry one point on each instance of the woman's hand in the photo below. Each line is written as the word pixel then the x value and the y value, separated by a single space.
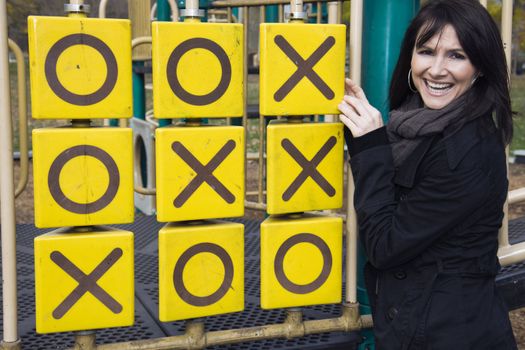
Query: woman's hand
pixel 357 114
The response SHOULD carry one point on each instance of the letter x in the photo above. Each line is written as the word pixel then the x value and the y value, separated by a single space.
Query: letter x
pixel 204 172
pixel 86 283
pixel 309 167
pixel 304 68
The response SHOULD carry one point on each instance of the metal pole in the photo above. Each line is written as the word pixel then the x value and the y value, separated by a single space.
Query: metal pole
pixel 7 194
pixel 22 117
pixel 506 35
pixel 356 32
pixel 237 3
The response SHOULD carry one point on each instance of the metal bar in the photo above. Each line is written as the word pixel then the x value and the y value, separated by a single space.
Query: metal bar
pixel 85 340
pixel 356 33
pixel 245 22
pixel 511 254
pixel 262 14
pixel 145 191
pixel 356 30
pixel 516 196
pixel 255 205
pixel 102 8
pixel 296 5
pixel 293 327
pixel 22 117
pixel 506 35
pixel 7 192
pixel 192 4
pixel 262 163
pixel 319 14
pixel 251 3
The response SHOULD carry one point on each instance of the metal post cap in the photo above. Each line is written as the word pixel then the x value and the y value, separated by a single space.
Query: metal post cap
pixel 297 15
pixel 75 8
pixel 192 13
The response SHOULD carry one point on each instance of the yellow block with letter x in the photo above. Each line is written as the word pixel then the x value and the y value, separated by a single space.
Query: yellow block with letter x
pixel 200 172
pixel 84 280
pixel 83 176
pixel 302 68
pixel 201 269
pixel 80 67
pixel 305 167
pixel 197 70
pixel 301 261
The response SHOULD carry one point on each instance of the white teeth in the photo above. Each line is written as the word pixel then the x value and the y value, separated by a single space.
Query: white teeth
pixel 438 86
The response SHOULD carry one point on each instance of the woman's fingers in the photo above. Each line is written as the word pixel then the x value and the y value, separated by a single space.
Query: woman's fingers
pixel 354 89
pixel 365 110
pixel 359 116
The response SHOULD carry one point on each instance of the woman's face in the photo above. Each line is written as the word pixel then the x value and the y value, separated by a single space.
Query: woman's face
pixel 441 70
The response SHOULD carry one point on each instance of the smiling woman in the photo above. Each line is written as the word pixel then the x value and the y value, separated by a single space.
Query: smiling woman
pixel 431 184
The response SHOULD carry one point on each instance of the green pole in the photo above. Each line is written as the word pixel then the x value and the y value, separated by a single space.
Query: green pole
pixel 384 25
pixel 163 11
pixel 272 14
pixel 139 94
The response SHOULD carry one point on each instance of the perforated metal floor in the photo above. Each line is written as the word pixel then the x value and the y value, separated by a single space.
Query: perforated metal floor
pixel 147 325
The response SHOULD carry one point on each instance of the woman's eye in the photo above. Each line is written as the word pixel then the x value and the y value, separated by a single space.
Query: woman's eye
pixel 457 56
pixel 425 52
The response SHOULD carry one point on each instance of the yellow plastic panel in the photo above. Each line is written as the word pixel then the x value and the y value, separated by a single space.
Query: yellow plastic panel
pixel 197 70
pixel 201 269
pixel 302 68
pixel 83 176
pixel 84 280
pixel 80 67
pixel 200 172
pixel 305 167
pixel 301 261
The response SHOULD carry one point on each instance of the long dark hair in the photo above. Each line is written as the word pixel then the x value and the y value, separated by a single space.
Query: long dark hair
pixel 480 39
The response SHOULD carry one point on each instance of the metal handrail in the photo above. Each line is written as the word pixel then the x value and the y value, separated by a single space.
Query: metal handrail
pixel 22 117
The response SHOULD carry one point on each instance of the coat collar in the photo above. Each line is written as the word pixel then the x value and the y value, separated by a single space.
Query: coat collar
pixel 457 144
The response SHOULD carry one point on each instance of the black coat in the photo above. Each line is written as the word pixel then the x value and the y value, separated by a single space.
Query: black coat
pixel 430 232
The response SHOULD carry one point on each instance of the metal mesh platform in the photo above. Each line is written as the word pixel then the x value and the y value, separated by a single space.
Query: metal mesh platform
pixel 147 325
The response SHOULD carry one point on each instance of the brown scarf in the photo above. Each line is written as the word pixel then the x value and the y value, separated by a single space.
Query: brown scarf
pixel 409 125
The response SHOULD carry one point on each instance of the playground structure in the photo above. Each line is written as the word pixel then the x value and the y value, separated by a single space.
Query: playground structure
pixel 196 336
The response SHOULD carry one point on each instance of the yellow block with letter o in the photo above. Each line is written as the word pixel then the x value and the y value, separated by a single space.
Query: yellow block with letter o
pixel 305 166
pixel 83 176
pixel 200 172
pixel 201 269
pixel 301 261
pixel 84 280
pixel 80 67
pixel 302 68
pixel 197 70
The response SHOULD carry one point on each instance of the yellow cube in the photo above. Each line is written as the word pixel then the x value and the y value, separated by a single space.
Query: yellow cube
pixel 84 280
pixel 201 269
pixel 83 176
pixel 197 70
pixel 301 261
pixel 80 67
pixel 305 167
pixel 302 68
pixel 200 172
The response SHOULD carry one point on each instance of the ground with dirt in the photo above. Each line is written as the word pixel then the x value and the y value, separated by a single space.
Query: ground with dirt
pixel 24 214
